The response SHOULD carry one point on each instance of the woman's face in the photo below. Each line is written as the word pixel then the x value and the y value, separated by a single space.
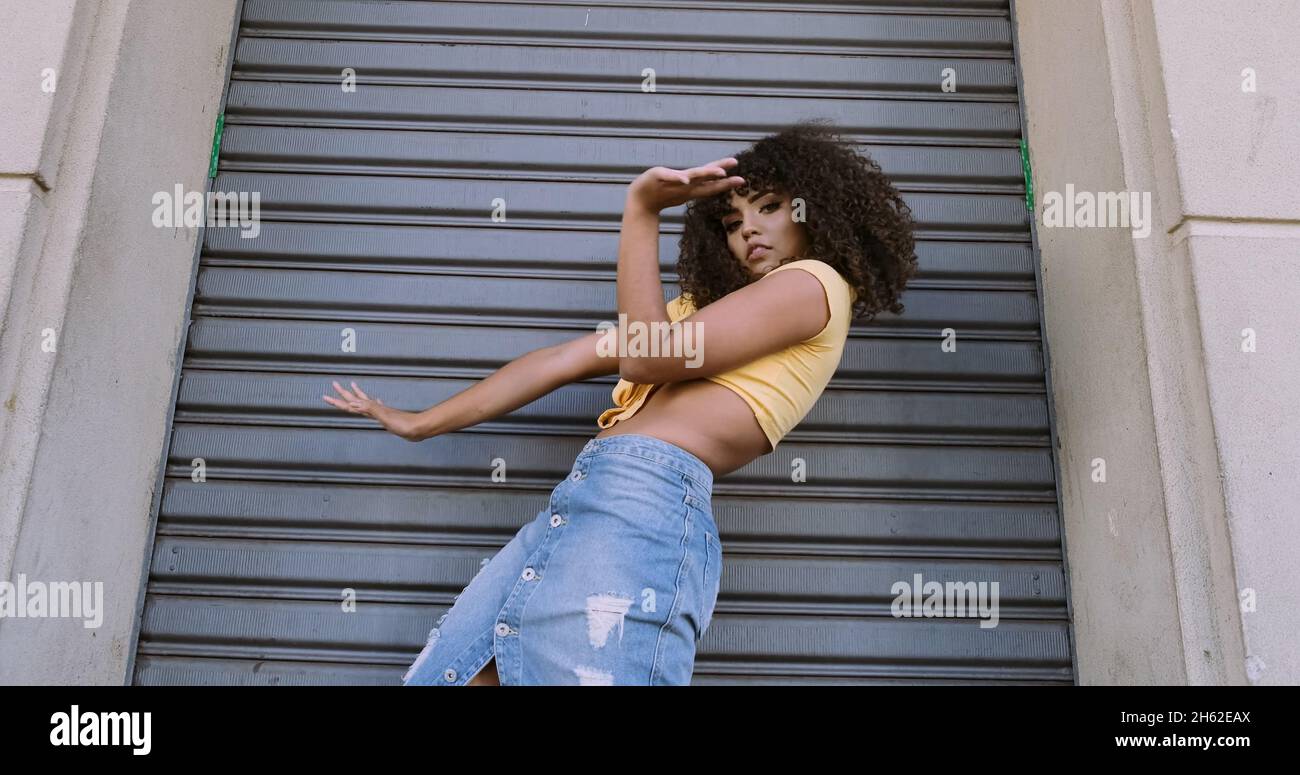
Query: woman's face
pixel 761 230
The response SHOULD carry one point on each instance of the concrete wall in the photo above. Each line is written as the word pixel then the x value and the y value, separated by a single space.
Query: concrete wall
pixel 83 268
pixel 1199 438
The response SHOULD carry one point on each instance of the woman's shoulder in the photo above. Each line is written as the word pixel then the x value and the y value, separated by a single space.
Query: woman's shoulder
pixel 838 290
pixel 828 274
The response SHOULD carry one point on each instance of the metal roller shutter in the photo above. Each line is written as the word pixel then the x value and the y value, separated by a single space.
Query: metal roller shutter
pixel 376 216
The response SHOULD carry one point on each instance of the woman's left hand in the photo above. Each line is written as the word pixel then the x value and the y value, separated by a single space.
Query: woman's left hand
pixel 357 402
pixel 661 187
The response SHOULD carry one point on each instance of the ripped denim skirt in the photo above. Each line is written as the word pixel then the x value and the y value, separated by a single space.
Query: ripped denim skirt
pixel 612 584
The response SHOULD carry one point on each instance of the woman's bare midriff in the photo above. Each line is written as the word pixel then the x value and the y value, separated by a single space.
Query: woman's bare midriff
pixel 704 418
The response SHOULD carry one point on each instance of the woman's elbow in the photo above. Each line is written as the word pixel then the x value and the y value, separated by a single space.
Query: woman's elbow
pixel 640 371
pixel 652 371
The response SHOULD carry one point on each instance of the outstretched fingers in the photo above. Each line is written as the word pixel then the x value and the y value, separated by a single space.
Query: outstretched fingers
pixel 344 391
pixel 718 186
pixel 714 169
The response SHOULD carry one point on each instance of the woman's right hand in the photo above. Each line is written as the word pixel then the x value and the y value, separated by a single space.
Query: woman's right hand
pixel 659 188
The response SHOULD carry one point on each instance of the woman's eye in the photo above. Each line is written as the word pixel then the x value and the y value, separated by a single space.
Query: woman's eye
pixel 775 204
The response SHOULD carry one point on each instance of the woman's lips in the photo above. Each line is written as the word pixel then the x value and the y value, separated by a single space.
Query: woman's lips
pixel 758 252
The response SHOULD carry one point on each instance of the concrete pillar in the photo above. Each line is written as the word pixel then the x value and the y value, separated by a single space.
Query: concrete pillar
pixel 102 104
pixel 1174 353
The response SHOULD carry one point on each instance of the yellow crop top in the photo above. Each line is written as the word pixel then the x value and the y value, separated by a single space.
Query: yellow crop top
pixel 781 387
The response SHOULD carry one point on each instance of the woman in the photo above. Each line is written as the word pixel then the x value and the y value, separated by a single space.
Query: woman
pixel 616 580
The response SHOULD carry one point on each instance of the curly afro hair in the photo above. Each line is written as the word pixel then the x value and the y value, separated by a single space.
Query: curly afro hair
pixel 855 219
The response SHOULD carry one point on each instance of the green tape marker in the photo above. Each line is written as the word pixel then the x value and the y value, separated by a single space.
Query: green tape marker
pixel 216 145
pixel 1029 180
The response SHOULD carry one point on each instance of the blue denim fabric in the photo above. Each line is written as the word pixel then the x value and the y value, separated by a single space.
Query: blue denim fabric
pixel 614 583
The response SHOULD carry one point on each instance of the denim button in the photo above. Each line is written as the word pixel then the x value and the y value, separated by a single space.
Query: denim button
pixel 450 675
pixel 556 520
pixel 502 628
pixel 576 476
pixel 529 574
